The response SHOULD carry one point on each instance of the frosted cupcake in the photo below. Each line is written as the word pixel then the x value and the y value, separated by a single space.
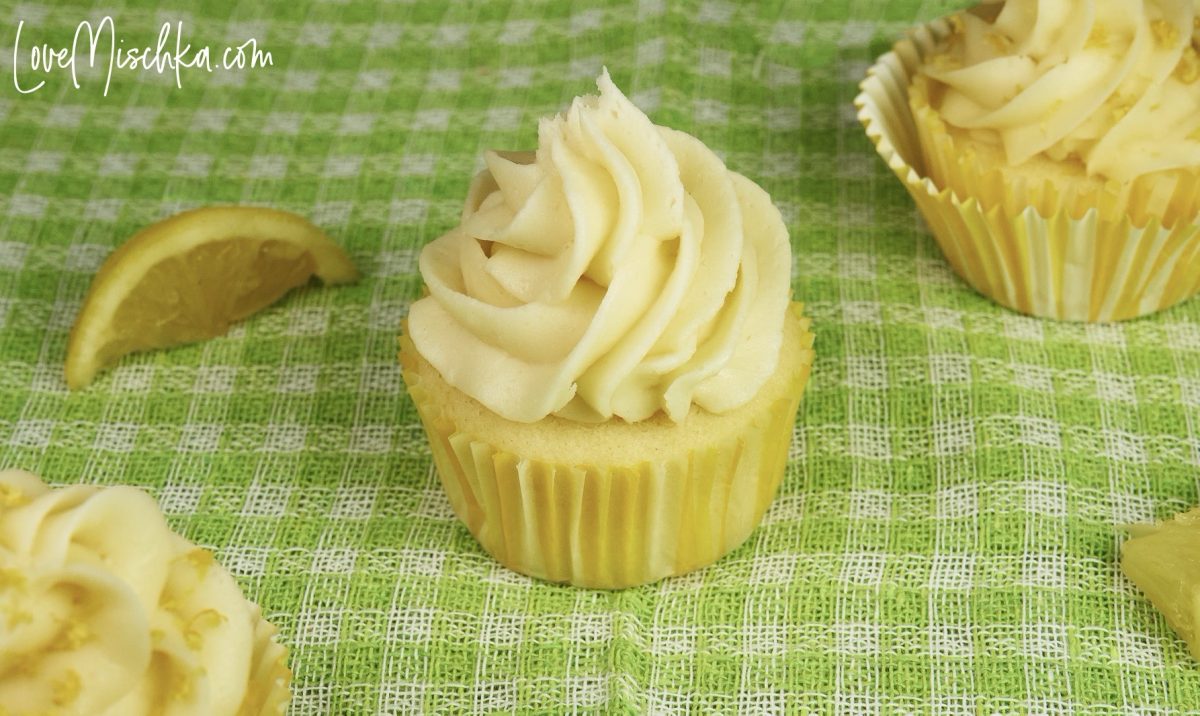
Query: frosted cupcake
pixel 607 363
pixel 1054 149
pixel 109 613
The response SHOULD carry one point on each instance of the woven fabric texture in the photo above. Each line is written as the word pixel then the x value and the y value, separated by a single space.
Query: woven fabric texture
pixel 944 540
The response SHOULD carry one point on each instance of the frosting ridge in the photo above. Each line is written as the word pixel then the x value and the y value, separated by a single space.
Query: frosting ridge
pixel 1112 83
pixel 618 271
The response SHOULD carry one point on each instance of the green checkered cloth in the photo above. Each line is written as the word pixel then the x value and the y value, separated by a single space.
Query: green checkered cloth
pixel 944 540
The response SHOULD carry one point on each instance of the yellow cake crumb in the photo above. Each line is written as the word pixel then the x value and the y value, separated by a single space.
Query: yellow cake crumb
pixel 1188 69
pixel 11 578
pixel 1098 37
pixel 201 560
pixel 16 616
pixel 202 622
pixel 181 687
pixel 73 636
pixel 66 690
pixel 10 496
pixel 1165 33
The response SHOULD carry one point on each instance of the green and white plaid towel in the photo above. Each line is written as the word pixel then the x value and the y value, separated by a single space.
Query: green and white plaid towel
pixel 943 541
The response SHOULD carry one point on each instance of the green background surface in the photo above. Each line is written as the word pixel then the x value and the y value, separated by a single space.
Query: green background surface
pixel 943 541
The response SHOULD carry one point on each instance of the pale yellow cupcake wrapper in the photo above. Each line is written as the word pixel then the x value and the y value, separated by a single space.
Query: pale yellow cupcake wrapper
pixel 1046 263
pixel 608 526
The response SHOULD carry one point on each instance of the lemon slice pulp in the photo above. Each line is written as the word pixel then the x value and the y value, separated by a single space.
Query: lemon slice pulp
pixel 1163 560
pixel 191 276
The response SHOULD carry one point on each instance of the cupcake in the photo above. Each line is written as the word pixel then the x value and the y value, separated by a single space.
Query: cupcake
pixel 607 362
pixel 107 611
pixel 1054 150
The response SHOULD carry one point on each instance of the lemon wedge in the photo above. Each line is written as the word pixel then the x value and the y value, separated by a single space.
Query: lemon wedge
pixel 191 276
pixel 1163 560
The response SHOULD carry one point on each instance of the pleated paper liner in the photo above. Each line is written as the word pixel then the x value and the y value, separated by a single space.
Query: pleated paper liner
pixel 1111 255
pixel 544 502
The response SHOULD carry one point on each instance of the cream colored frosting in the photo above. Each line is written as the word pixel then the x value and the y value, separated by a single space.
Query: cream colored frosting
pixel 1112 83
pixel 107 612
pixel 618 271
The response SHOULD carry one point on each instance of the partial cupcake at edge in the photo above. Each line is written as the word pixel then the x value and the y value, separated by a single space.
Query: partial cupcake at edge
pixel 1053 149
pixel 107 612
pixel 607 362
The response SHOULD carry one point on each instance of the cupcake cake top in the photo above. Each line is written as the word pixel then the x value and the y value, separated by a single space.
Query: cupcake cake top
pixel 107 611
pixel 1113 84
pixel 620 270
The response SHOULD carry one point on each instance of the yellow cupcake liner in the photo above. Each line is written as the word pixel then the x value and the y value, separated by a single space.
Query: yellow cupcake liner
pixel 611 526
pixel 1036 256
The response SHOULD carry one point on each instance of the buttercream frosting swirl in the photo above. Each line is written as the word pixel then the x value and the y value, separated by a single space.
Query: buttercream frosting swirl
pixel 1112 83
pixel 105 611
pixel 619 270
